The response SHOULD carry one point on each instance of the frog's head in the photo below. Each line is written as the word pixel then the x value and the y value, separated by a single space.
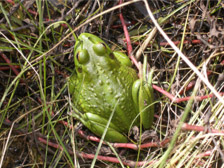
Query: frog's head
pixel 91 54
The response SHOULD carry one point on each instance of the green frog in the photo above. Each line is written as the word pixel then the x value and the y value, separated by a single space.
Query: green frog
pixel 103 83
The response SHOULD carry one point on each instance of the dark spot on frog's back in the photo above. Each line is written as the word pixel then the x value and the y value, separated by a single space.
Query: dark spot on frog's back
pixel 112 55
pixel 79 69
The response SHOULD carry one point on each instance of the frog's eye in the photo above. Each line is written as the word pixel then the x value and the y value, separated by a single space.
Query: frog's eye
pixel 82 56
pixel 100 49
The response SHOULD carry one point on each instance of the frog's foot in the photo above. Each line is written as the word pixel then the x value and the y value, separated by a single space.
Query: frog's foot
pixel 97 125
pixel 142 94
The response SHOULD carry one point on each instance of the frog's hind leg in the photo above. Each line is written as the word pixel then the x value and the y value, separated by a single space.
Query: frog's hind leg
pixel 98 124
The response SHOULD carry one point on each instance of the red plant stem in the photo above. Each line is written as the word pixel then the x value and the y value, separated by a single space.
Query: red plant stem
pixel 191 84
pixel 54 145
pixel 33 12
pixel 108 158
pixel 178 100
pixel 188 87
pixel 204 154
pixel 222 63
pixel 120 145
pixel 175 42
pixel 127 162
pixel 81 133
pixel 115 160
pixel 11 1
pixel 7 68
pixel 29 10
pixel 85 155
pixel 127 145
pixel 88 137
pixel 129 47
pixel 185 42
pixel 146 145
pixel 91 156
pixel 9 62
pixel 61 73
pixel 155 144
pixel 188 127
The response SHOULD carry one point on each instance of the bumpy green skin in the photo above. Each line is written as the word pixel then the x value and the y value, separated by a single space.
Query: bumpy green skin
pixel 100 82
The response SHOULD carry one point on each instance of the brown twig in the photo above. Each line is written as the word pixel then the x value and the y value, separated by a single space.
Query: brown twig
pixel 9 62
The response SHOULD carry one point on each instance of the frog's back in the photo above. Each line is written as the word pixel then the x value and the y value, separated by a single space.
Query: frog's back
pixel 103 93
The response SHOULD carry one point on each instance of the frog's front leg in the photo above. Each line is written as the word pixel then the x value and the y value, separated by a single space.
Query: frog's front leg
pixel 122 58
pixel 97 125
pixel 142 93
